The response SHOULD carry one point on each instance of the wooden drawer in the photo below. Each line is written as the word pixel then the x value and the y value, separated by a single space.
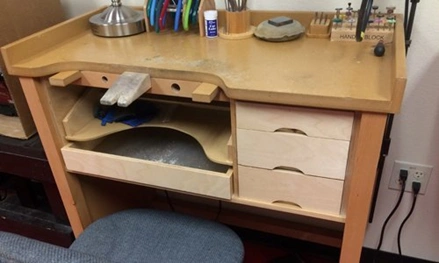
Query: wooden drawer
pixel 286 188
pixel 183 147
pixel 79 159
pixel 312 122
pixel 208 124
pixel 313 156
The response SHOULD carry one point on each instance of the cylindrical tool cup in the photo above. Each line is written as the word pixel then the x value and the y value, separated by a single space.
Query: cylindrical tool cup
pixel 237 22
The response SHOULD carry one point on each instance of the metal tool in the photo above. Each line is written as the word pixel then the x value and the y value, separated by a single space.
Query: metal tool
pixel 163 12
pixel 117 21
pixel 363 19
pixel 235 5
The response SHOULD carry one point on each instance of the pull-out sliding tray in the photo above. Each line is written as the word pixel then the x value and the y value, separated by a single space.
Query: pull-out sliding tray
pixel 184 147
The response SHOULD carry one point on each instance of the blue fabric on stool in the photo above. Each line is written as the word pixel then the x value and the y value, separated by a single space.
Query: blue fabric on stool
pixel 18 249
pixel 144 235
pixel 133 236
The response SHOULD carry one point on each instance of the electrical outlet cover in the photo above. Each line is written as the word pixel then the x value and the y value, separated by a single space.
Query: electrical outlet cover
pixel 416 172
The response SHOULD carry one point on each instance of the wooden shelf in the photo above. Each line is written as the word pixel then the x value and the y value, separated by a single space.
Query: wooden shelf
pixel 25 161
pixel 210 125
pixel 33 223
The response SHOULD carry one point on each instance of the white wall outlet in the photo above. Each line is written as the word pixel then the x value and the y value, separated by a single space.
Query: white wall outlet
pixel 416 172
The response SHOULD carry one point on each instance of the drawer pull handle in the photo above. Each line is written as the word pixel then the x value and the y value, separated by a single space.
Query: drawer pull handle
pixel 281 202
pixel 288 169
pixel 291 130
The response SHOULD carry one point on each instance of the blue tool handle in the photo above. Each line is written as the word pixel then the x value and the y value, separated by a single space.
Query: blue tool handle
pixel 152 14
pixel 178 15
pixel 158 10
pixel 194 11
pixel 148 9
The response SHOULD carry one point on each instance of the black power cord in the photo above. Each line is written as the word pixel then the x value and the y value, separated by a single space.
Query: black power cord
pixel 220 208
pixel 409 17
pixel 168 199
pixel 3 194
pixel 403 175
pixel 3 187
pixel 416 186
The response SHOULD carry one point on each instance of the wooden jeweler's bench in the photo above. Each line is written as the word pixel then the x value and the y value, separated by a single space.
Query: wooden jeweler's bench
pixel 287 135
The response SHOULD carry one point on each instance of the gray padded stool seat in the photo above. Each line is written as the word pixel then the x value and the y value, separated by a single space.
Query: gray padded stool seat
pixel 144 235
pixel 159 236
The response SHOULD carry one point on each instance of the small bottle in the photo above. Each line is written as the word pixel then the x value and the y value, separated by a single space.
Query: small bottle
pixel 211 23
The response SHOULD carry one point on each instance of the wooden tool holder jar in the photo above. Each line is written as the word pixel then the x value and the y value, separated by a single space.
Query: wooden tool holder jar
pixel 237 24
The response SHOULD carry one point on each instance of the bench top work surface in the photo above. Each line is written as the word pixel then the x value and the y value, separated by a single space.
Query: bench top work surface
pixel 308 71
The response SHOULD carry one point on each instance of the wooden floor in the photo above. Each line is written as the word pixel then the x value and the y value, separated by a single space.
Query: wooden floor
pixel 267 248
pixel 259 247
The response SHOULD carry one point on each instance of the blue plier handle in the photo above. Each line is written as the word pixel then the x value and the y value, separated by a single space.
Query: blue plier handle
pixel 152 12
pixel 158 10
pixel 178 15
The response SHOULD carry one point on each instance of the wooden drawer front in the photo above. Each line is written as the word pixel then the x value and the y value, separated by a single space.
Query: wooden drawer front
pixel 313 156
pixel 190 180
pixel 290 188
pixel 313 122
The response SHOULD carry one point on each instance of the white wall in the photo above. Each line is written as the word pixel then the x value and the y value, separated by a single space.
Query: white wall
pixel 77 7
pixel 416 139
pixel 416 129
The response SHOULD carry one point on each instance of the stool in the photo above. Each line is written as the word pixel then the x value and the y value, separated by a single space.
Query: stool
pixel 139 235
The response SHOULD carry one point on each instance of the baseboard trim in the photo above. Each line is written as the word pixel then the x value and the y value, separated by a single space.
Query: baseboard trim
pixel 368 254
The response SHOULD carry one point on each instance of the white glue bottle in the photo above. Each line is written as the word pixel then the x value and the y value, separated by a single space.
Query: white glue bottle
pixel 211 23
